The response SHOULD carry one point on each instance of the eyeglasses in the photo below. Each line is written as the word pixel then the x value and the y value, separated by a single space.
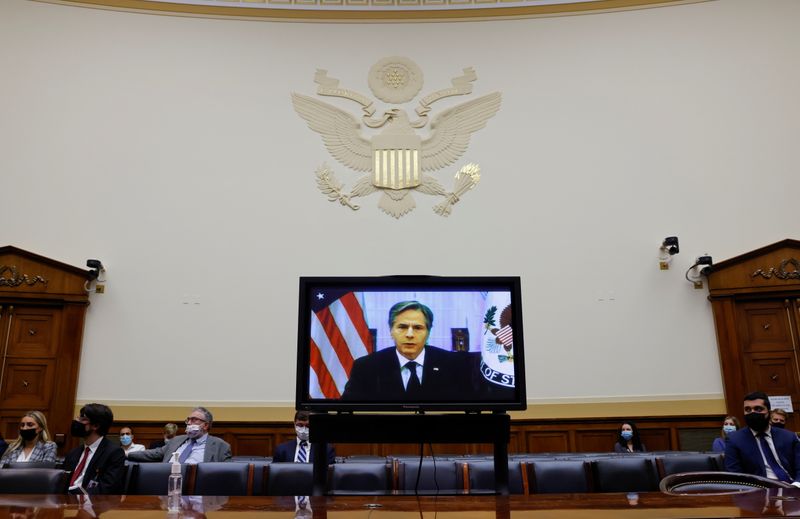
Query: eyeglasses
pixel 193 419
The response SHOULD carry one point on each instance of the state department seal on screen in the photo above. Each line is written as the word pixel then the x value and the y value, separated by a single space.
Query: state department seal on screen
pixel 395 158
pixel 497 362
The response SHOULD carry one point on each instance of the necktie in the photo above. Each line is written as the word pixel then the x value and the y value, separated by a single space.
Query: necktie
pixel 79 468
pixel 302 452
pixel 771 461
pixel 413 387
pixel 187 451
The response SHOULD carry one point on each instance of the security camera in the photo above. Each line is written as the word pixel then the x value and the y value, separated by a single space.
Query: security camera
pixel 670 245
pixel 97 267
pixel 704 260
pixel 94 264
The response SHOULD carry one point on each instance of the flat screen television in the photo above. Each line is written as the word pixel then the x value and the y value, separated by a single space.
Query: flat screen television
pixel 356 336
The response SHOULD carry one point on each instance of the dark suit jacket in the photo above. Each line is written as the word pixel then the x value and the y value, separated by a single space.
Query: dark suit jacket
pixel 285 452
pixel 106 471
pixel 445 376
pixel 742 453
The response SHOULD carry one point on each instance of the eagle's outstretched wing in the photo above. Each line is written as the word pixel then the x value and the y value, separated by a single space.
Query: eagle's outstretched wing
pixel 452 128
pixel 339 131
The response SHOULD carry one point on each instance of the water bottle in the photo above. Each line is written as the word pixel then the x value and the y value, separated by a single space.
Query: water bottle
pixel 174 486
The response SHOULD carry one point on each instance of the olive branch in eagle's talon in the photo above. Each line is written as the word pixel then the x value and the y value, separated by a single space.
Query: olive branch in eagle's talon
pixel 327 183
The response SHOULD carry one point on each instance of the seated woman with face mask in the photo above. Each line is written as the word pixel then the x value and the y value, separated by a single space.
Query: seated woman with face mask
pixel 730 424
pixel 628 439
pixel 33 442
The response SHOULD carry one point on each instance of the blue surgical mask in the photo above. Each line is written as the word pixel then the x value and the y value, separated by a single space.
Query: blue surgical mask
pixel 626 435
pixel 125 439
pixel 728 428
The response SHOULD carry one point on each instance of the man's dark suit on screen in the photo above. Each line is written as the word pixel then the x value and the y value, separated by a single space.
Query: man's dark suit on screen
pixel 285 452
pixel 105 473
pixel 445 375
pixel 743 455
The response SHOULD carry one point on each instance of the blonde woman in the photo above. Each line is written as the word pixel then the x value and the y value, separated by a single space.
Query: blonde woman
pixel 729 425
pixel 33 442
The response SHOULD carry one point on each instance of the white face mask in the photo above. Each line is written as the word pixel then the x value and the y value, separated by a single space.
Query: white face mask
pixel 302 432
pixel 193 430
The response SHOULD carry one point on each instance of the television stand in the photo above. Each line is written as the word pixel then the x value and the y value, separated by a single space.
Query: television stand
pixel 492 428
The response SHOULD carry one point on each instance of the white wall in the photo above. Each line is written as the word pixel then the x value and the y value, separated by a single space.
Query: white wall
pixel 168 148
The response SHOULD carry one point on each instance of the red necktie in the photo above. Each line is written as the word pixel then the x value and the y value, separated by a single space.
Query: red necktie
pixel 79 468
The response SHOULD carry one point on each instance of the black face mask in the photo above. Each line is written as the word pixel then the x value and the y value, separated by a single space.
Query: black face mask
pixel 78 429
pixel 778 425
pixel 757 421
pixel 27 434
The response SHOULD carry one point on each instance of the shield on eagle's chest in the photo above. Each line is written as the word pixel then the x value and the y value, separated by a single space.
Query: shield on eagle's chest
pixel 395 161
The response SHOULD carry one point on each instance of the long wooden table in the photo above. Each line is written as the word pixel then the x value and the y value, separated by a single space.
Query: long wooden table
pixel 758 503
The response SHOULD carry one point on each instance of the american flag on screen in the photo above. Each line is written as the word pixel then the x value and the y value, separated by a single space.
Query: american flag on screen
pixel 339 335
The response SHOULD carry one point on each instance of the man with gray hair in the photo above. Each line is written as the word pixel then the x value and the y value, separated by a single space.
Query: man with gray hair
pixel 193 447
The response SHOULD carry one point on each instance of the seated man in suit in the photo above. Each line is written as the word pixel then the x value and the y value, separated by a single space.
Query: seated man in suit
pixel 193 447
pixel 760 449
pixel 412 370
pixel 98 466
pixel 299 450
pixel 777 418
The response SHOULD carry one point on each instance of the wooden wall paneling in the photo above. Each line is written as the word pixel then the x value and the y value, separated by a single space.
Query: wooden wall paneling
pixel 657 439
pixel 251 444
pixel 517 442
pixel 547 441
pixel 527 436
pixel 595 440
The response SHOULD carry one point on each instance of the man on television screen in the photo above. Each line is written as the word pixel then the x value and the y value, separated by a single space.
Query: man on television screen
pixel 412 371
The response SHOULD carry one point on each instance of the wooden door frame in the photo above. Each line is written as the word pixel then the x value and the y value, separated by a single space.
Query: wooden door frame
pixel 28 279
pixel 758 275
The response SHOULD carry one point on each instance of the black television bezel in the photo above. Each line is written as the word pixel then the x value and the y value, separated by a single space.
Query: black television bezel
pixel 303 401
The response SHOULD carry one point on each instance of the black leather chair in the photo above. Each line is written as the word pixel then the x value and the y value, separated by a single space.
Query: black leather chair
pixel 150 479
pixel 675 463
pixel 440 477
pixel 559 477
pixel 289 479
pixel 259 479
pixel 33 481
pixel 30 465
pixel 251 459
pixel 715 482
pixel 364 458
pixel 366 478
pixel 219 478
pixel 625 474
pixel 480 477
